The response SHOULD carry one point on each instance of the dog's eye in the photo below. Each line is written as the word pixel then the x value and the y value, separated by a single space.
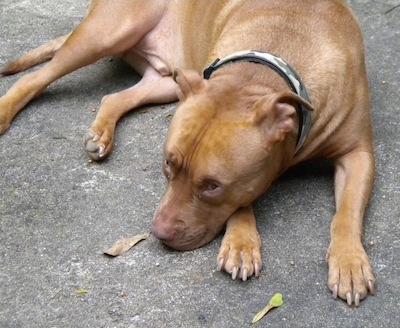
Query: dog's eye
pixel 211 186
pixel 211 189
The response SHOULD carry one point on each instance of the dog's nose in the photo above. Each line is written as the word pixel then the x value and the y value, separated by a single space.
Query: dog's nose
pixel 162 234
pixel 164 230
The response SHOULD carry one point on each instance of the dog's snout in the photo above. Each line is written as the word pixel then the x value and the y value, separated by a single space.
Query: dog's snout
pixel 164 230
pixel 162 234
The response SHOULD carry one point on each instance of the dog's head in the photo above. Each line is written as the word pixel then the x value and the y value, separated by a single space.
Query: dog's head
pixel 222 151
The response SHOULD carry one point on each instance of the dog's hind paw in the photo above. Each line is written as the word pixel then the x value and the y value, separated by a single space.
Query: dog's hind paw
pixel 98 146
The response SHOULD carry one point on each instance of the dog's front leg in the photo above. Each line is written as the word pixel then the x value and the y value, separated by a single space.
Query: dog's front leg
pixel 350 274
pixel 240 253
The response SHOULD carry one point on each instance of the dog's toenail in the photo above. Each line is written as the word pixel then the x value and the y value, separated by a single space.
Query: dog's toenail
pixel 220 264
pixel 234 272
pixel 244 274
pixel 335 291
pixel 357 299
pixel 349 298
pixel 257 269
pixel 371 286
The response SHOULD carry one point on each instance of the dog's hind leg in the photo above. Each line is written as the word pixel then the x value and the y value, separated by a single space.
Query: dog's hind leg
pixel 110 28
pixel 34 57
pixel 152 88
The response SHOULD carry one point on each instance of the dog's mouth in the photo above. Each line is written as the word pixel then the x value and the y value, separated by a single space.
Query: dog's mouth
pixel 187 241
pixel 185 234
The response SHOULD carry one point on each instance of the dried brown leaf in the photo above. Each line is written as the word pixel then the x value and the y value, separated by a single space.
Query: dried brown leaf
pixel 123 245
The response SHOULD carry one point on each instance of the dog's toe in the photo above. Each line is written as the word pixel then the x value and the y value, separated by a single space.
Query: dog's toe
pixel 91 147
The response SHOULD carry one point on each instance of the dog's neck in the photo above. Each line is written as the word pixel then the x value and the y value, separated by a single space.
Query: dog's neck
pixel 244 84
pixel 284 70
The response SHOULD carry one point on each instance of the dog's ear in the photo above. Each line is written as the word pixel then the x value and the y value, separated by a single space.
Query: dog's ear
pixel 189 81
pixel 275 114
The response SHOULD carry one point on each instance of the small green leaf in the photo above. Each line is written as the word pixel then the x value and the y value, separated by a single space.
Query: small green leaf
pixel 275 301
pixel 81 291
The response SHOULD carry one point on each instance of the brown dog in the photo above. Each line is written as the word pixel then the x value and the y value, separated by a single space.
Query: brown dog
pixel 236 130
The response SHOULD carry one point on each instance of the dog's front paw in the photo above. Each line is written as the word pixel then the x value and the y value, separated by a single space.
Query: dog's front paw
pixel 98 143
pixel 350 275
pixel 240 256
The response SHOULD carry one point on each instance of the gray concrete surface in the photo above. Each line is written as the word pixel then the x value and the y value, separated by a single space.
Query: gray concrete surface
pixel 58 212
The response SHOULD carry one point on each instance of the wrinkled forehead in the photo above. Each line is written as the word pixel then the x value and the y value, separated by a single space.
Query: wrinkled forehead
pixel 188 125
pixel 207 135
